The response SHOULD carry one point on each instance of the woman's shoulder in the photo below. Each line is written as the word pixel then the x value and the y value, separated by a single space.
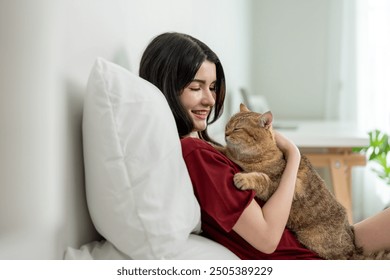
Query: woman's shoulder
pixel 198 149
pixel 190 144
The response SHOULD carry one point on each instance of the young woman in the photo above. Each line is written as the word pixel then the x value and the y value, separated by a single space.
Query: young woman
pixel 192 79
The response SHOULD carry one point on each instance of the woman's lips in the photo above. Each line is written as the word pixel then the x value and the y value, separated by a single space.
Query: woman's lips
pixel 201 114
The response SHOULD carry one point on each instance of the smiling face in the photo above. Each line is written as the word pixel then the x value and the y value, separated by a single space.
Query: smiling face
pixel 198 97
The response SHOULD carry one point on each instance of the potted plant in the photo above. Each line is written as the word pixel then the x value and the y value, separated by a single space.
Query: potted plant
pixel 378 151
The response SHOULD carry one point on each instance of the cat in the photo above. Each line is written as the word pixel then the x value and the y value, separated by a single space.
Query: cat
pixel 319 221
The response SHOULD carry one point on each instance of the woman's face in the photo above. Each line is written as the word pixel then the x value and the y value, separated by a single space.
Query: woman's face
pixel 198 97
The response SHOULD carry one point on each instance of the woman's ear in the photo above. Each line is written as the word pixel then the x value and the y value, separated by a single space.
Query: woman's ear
pixel 266 120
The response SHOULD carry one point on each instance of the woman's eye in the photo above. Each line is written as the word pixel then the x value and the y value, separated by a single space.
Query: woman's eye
pixel 195 89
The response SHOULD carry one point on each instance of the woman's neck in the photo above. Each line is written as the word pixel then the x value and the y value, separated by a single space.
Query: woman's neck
pixel 193 134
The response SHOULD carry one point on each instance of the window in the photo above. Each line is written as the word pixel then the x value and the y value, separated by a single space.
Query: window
pixel 373 64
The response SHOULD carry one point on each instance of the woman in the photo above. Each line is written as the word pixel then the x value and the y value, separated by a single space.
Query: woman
pixel 191 77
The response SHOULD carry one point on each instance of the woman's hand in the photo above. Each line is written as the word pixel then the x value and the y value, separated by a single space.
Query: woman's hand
pixel 289 149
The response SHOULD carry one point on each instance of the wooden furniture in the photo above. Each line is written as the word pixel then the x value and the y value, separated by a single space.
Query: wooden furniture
pixel 329 144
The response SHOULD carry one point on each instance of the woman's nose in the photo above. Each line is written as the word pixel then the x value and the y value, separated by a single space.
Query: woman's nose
pixel 209 97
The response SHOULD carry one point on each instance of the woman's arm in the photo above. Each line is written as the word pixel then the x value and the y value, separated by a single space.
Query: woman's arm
pixel 263 227
pixel 373 233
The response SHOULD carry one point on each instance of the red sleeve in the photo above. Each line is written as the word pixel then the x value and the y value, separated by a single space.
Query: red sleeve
pixel 212 179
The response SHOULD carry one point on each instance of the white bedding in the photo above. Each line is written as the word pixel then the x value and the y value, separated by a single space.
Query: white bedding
pixel 196 248
pixel 96 250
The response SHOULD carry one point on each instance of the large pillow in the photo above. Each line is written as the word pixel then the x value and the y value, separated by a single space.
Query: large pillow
pixel 139 192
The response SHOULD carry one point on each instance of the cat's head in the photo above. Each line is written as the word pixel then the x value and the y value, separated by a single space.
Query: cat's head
pixel 249 134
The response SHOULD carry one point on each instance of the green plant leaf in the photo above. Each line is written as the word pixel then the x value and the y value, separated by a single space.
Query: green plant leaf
pixel 378 151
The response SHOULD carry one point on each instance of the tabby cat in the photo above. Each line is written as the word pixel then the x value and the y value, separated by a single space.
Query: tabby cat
pixel 319 221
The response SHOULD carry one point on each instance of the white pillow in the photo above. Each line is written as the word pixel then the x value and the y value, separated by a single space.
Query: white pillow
pixel 139 192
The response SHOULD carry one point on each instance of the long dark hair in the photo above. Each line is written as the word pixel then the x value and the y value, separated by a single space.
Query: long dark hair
pixel 170 62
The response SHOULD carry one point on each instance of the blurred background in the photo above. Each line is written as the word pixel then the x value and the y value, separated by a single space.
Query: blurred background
pixel 303 59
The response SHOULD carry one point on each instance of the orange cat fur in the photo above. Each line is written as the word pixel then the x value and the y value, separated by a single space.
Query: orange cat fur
pixel 317 218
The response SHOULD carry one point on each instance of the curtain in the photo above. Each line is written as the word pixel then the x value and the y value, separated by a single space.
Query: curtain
pixel 341 101
pixel 358 86
pixel 373 60
pixel 372 98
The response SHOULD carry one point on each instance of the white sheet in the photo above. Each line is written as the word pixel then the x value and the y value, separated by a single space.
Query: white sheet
pixel 196 248
pixel 97 250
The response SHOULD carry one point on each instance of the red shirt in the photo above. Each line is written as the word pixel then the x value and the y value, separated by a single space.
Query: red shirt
pixel 222 203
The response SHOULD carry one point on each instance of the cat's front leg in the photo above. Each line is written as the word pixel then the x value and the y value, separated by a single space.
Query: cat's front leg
pixel 258 181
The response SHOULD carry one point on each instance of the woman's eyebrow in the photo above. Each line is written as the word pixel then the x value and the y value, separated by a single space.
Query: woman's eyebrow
pixel 201 81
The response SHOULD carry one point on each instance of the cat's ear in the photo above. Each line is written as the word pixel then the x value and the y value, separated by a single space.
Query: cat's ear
pixel 266 119
pixel 243 108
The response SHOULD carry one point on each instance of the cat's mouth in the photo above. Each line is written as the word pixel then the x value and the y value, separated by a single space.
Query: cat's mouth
pixel 231 143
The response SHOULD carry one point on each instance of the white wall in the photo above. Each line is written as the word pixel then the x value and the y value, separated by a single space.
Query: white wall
pixel 291 54
pixel 121 29
pixel 46 52
pixel 29 191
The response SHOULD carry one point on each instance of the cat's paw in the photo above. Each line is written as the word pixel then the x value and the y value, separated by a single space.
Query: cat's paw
pixel 253 181
pixel 242 181
pixel 248 181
